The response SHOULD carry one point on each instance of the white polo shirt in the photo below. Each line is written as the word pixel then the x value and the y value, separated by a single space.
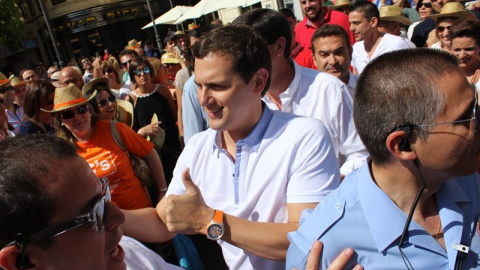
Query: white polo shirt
pixel 326 98
pixel 285 159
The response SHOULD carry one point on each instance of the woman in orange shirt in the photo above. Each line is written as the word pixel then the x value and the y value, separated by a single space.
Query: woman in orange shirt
pixel 93 137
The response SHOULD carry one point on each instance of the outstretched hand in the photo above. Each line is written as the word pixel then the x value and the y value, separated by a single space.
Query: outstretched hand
pixel 188 213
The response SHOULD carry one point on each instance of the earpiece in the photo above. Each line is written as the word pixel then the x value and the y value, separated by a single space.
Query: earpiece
pixel 22 262
pixel 405 143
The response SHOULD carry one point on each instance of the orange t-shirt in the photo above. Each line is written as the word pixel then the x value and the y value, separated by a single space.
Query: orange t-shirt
pixel 107 159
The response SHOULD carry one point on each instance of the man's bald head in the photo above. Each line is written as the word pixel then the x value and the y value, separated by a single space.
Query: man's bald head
pixel 70 75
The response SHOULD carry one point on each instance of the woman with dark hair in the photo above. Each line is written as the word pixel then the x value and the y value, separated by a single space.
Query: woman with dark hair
pixel 424 9
pixel 95 142
pixel 465 35
pixel 39 95
pixel 109 71
pixel 150 100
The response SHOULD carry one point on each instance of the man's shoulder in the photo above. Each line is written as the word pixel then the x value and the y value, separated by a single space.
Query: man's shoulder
pixel 395 42
pixel 337 16
pixel 295 126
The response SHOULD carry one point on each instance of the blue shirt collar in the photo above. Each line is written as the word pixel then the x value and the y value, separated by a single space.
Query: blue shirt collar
pixel 255 137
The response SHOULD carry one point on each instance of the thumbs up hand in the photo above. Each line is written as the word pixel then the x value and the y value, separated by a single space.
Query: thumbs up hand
pixel 188 213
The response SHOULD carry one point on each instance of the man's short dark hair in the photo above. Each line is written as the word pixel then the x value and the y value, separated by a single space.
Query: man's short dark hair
pixel 270 24
pixel 368 9
pixel 27 170
pixel 173 38
pixel 398 88
pixel 245 46
pixel 127 52
pixel 287 13
pixel 328 30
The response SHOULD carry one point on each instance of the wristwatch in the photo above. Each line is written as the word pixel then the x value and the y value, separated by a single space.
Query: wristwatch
pixel 214 230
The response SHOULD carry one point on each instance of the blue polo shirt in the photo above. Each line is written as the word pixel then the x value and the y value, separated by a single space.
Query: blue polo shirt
pixel 361 216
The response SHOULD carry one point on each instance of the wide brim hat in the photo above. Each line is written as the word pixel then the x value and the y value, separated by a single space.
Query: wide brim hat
pixel 68 97
pixel 133 44
pixel 169 58
pixel 180 33
pixel 454 10
pixel 92 83
pixel 3 80
pixel 392 13
pixel 17 82
pixel 340 4
pixel 191 26
pixel 124 112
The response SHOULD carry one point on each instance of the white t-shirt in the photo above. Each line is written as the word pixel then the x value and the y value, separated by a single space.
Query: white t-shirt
pixel 388 43
pixel 285 159
pixel 324 97
pixel 139 257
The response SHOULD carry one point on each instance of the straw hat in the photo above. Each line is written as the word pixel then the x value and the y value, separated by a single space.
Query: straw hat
pixel 3 80
pixel 17 82
pixel 169 58
pixel 192 26
pixel 392 13
pixel 124 108
pixel 179 33
pixel 454 10
pixel 133 44
pixel 68 97
pixel 340 4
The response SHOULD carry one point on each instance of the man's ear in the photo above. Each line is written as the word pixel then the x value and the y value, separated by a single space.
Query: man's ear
pixel 260 80
pixel 279 46
pixel 8 257
pixel 374 21
pixel 399 145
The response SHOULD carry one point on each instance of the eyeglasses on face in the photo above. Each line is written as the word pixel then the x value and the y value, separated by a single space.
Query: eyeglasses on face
pixel 474 117
pixel 427 5
pixel 96 215
pixel 126 63
pixel 442 28
pixel 170 65
pixel 68 114
pixel 138 71
pixel 104 102
pixel 108 71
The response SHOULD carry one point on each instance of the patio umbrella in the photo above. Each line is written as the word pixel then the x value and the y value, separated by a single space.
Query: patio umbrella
pixel 170 16
pixel 207 6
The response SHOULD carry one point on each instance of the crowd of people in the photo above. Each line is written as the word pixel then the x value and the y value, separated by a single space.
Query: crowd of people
pixel 347 140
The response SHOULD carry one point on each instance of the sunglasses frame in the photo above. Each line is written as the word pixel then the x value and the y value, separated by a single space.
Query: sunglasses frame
pixel 69 114
pixel 104 102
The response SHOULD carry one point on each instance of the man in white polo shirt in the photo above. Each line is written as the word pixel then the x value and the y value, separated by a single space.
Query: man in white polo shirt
pixel 258 168
pixel 305 91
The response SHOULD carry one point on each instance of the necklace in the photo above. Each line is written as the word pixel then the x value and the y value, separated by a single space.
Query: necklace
pixel 147 94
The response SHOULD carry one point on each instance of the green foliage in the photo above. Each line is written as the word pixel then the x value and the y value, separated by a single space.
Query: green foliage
pixel 11 25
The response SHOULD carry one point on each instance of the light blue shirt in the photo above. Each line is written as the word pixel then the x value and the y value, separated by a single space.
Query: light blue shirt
pixel 194 117
pixel 361 216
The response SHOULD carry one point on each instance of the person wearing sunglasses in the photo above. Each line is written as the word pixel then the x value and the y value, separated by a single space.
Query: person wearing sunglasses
pixel 448 15
pixel 59 215
pixel 151 99
pixel 424 9
pixel 126 56
pixel 39 96
pixel 416 203
pixel 109 71
pixel 93 137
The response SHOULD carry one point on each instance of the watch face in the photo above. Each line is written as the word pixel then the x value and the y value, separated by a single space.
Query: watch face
pixel 215 231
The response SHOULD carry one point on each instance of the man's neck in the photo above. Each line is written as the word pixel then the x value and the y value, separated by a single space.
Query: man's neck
pixel 371 42
pixel 282 77
pixel 401 182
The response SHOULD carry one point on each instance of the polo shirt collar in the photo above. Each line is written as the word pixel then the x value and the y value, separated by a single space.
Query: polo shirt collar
pixel 377 206
pixel 255 137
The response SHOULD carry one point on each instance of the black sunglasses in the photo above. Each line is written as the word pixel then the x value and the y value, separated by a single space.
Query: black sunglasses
pixel 6 89
pixel 138 71
pixel 427 5
pixel 171 65
pixel 108 71
pixel 125 64
pixel 69 114
pixel 442 28
pixel 104 102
